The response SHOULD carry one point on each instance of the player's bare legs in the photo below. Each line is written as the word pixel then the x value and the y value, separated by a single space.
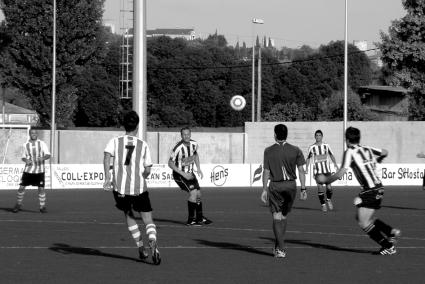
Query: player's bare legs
pixel 279 230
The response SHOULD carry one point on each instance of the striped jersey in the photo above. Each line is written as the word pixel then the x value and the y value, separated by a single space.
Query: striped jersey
pixel 282 159
pixel 183 155
pixel 35 150
pixel 131 157
pixel 320 157
pixel 362 161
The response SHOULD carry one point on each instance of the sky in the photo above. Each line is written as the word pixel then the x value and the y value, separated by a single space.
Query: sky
pixel 290 23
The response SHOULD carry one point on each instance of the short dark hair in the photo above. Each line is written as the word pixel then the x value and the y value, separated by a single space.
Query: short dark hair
pixel 352 135
pixel 281 132
pixel 131 121
pixel 318 131
pixel 185 128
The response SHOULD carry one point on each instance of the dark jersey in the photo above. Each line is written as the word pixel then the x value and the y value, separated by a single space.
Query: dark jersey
pixel 282 159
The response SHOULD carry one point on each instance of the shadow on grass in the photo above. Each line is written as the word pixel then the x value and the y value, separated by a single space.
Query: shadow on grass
pixel 22 210
pixel 231 246
pixel 401 207
pixel 67 249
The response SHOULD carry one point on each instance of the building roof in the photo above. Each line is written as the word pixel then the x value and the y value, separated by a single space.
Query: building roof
pixel 14 109
pixel 169 32
pixel 369 88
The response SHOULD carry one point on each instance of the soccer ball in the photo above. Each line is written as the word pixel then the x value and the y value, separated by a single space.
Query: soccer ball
pixel 237 102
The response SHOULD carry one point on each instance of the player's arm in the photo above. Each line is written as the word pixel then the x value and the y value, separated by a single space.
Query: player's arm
pixel 147 172
pixel 307 165
pixel 25 156
pixel 380 153
pixel 106 170
pixel 302 174
pixel 198 165
pixel 265 193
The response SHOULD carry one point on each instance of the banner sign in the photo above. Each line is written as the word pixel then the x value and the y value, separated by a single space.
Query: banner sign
pixel 69 176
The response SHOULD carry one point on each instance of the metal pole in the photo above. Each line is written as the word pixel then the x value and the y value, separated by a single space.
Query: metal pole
pixel 345 74
pixel 53 115
pixel 3 107
pixel 253 79
pixel 259 86
pixel 139 64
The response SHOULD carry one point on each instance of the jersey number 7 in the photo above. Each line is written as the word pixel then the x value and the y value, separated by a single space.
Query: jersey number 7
pixel 130 149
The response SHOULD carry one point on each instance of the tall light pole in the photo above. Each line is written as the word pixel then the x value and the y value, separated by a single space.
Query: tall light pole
pixel 259 86
pixel 254 21
pixel 345 75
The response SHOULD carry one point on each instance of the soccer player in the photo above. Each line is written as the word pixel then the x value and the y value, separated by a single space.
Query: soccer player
pixel 131 166
pixel 362 160
pixel 320 153
pixel 34 154
pixel 422 155
pixel 183 158
pixel 280 163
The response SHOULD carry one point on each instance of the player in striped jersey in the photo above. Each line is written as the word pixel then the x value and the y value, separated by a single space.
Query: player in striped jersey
pixel 320 153
pixel 362 160
pixel 131 166
pixel 184 157
pixel 34 154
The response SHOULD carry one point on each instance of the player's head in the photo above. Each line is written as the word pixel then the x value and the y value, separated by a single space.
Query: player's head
pixel 318 135
pixel 33 133
pixel 352 135
pixel 185 133
pixel 280 132
pixel 131 121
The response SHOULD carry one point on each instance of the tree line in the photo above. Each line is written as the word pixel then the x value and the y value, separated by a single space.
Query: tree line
pixel 188 82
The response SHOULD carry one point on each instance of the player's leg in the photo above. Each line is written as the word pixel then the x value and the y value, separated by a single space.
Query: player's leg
pixel 279 230
pixel 42 199
pixel 366 222
pixel 329 193
pixel 143 205
pixel 200 218
pixel 321 196
pixel 185 185
pixel 19 199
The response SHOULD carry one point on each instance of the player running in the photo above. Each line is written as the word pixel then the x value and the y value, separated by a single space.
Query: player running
pixel 362 160
pixel 183 158
pixel 131 167
pixel 320 153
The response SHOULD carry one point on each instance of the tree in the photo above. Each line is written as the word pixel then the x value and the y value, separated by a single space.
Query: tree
pixel 403 52
pixel 289 112
pixel 28 64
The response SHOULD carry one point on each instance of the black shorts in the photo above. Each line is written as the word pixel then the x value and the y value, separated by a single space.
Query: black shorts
pixel 370 198
pixel 281 196
pixel 139 203
pixel 32 179
pixel 186 184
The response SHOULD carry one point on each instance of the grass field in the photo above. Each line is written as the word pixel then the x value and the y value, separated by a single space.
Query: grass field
pixel 83 239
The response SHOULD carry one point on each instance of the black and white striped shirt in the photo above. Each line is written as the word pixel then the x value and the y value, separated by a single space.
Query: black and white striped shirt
pixel 362 161
pixel 184 155
pixel 320 156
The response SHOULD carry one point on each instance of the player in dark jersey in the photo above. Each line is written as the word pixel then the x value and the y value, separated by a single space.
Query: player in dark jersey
pixel 183 159
pixel 280 163
pixel 362 160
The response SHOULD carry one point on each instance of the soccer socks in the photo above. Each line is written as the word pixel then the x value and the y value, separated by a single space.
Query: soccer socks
pixel 191 208
pixel 383 227
pixel 135 233
pixel 20 197
pixel 376 235
pixel 151 231
pixel 199 214
pixel 279 229
pixel 329 193
pixel 42 199
pixel 321 197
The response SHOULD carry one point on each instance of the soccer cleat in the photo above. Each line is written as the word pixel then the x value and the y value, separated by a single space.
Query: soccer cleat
pixel 303 194
pixel 143 253
pixel 17 208
pixel 43 209
pixel 156 257
pixel 204 221
pixel 388 251
pixel 279 253
pixel 324 208
pixel 395 234
pixel 192 222
pixel 330 205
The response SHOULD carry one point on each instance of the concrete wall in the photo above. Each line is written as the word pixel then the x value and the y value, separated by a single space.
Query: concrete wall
pixel 403 139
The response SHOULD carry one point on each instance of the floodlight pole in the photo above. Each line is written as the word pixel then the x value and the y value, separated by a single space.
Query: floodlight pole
pixel 345 75
pixel 254 21
pixel 139 64
pixel 53 115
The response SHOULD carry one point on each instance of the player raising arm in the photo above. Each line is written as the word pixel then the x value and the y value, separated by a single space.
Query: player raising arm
pixel 362 160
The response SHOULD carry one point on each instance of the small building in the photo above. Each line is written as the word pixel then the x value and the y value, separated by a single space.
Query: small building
pixel 13 114
pixel 188 34
pixel 389 103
